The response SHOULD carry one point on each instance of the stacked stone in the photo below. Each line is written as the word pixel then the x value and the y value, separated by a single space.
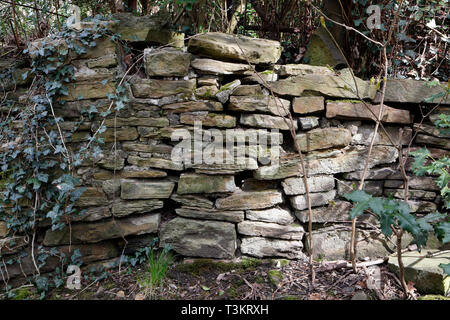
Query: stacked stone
pixel 136 189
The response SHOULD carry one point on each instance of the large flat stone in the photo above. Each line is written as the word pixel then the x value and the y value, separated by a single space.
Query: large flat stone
pixel 235 47
pixel 301 70
pixel 266 104
pixel 363 133
pixel 97 231
pixel 199 238
pixel 264 247
pixel 243 200
pixel 266 121
pixel 332 243
pixel 210 66
pixel 358 111
pixel 166 62
pixel 135 189
pixel 412 91
pixel 341 86
pixel 349 160
pixel 317 199
pixel 191 106
pixel 337 211
pixel 210 214
pixel 306 105
pixel 198 183
pixel 155 163
pixel 125 208
pixel 294 186
pixel 193 201
pixel 273 215
pixel 271 230
pixel 424 271
pixel 324 138
pixel 208 119
pixel 151 88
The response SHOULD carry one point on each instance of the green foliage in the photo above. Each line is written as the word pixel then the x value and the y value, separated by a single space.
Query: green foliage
pixel 157 265
pixel 396 214
pixel 38 179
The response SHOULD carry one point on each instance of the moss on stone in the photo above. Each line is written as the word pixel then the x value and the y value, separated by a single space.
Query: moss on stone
pixel 199 266
pixel 433 297
pixel 275 276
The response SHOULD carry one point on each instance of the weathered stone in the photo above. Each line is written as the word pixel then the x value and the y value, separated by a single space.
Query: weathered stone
pixel 271 230
pixel 134 122
pixel 191 106
pixel 317 199
pixel 88 90
pixel 412 194
pixel 238 164
pixel 97 231
pixel 432 130
pixel 93 214
pixel 216 67
pixel 151 88
pixel 258 185
pixel 3 229
pixel 414 182
pixel 412 91
pixel 125 208
pixel 333 243
pixel 208 119
pixel 155 163
pixel 274 215
pixel 193 201
pixel 147 148
pixel 208 81
pixel 12 244
pixel 305 105
pixel 294 186
pixel 137 172
pixel 308 123
pixel 206 92
pixel 111 163
pixel 263 247
pixel 301 70
pixel 372 187
pixel 424 271
pixel 422 206
pixel 433 141
pixel 107 61
pixel 248 90
pixel 148 28
pixel 324 138
pixel 226 90
pixel 197 183
pixel 436 113
pixel 199 238
pixel 358 111
pixel 266 121
pixel 346 161
pixel 341 86
pixel 362 134
pixel 111 187
pixel 92 75
pixel 374 174
pixel 235 47
pixel 260 77
pixel 322 50
pixel 337 211
pixel 250 200
pixel 92 197
pixel 135 189
pixel 210 214
pixel 166 62
pixel 267 104
pixel 119 134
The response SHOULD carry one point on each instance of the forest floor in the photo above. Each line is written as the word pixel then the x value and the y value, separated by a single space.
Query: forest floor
pixel 249 279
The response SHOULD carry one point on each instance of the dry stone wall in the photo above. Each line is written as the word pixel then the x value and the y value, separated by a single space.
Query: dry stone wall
pixel 256 204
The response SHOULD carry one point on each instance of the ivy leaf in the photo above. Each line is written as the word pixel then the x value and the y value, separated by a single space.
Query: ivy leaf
pixel 445 267
pixel 443 232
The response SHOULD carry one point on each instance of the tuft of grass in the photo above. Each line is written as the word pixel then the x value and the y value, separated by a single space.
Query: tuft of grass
pixel 156 268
